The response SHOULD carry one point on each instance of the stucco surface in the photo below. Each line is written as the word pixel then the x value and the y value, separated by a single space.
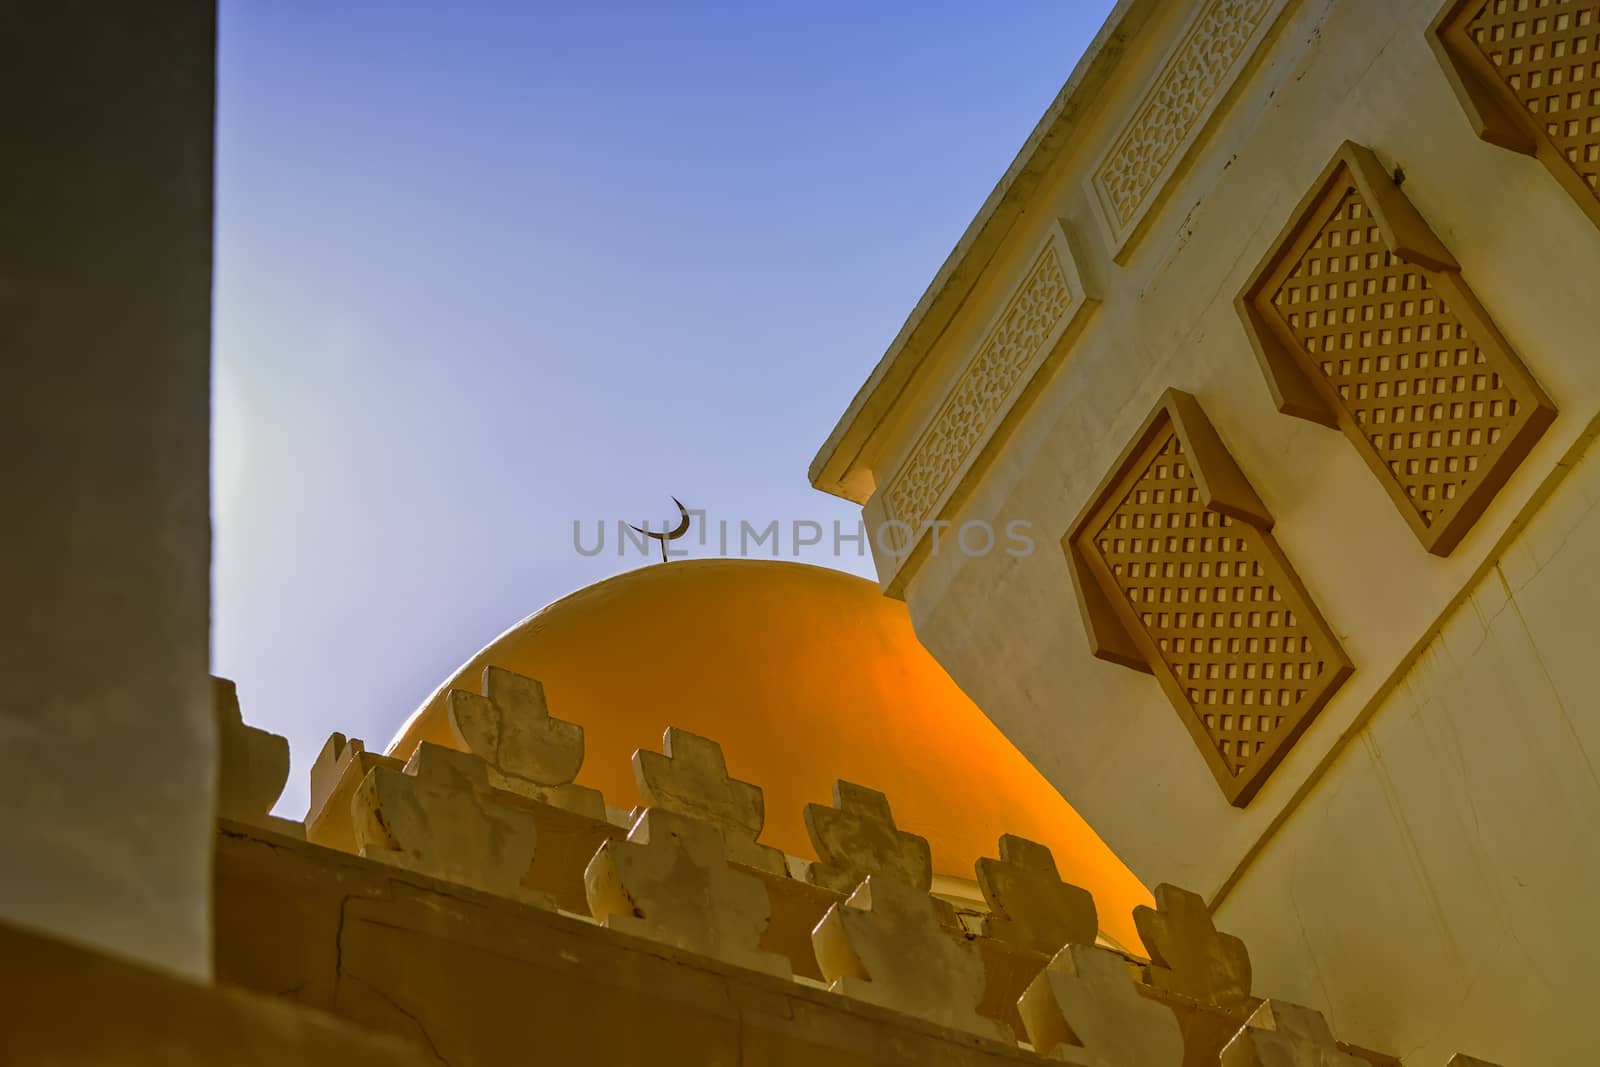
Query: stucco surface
pixel 1419 866
pixel 1449 850
pixel 107 755
pixel 1007 628
pixel 66 1005
pixel 474 979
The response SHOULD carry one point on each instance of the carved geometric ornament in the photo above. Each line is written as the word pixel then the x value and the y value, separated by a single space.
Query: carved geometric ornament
pixel 1362 322
pixel 1527 73
pixel 1210 54
pixel 1046 301
pixel 1178 574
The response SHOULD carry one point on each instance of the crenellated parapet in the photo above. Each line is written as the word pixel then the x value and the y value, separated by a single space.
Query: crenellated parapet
pixel 525 749
pixel 252 765
pixel 688 872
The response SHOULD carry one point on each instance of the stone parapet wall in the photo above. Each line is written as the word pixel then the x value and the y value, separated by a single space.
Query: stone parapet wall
pixel 432 894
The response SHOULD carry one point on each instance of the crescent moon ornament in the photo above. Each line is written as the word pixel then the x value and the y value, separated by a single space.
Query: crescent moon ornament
pixel 667 535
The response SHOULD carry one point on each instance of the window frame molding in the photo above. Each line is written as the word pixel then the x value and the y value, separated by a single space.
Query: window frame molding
pixel 1297 391
pixel 1115 632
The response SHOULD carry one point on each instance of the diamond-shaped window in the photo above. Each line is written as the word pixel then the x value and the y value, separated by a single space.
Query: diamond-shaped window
pixel 1363 322
pixel 1178 573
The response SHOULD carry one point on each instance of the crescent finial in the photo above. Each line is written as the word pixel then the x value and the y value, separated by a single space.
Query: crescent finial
pixel 667 535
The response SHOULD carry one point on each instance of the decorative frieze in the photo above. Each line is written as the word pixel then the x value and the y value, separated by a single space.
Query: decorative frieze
pixel 1044 303
pixel 1194 78
pixel 1362 321
pixel 1527 73
pixel 1178 573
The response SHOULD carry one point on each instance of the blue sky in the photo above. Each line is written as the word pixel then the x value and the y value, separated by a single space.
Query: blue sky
pixel 484 270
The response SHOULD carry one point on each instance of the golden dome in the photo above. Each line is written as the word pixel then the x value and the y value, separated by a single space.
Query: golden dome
pixel 804 675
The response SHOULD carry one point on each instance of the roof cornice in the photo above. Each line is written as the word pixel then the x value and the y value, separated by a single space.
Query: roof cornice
pixel 836 469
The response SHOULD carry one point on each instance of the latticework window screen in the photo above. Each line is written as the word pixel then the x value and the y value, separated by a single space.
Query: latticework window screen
pixel 1528 74
pixel 1362 317
pixel 1178 573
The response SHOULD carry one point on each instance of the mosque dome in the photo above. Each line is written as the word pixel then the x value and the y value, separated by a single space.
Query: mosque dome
pixel 804 675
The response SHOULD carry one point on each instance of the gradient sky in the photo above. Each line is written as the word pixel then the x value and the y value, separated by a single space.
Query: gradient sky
pixel 487 269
